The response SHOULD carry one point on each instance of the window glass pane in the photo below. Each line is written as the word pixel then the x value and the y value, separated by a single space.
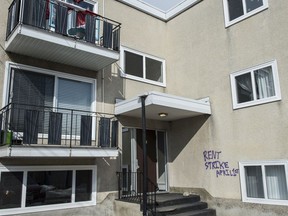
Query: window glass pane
pixel 133 64
pixel 75 95
pixel 48 187
pixel 264 82
pixel 10 189
pixel 33 89
pixel 83 185
pixel 276 182
pixel 253 4
pixel 235 9
pixel 154 70
pixel 254 182
pixel 244 88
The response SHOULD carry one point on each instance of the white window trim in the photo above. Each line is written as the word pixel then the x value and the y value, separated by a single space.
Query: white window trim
pixel 144 55
pixel 265 200
pixel 245 15
pixel 73 204
pixel 277 96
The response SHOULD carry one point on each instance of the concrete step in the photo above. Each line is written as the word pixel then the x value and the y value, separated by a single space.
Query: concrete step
pixel 180 208
pixel 175 198
pixel 203 212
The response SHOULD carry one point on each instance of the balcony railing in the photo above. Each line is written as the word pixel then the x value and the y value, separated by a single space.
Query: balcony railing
pixel 65 19
pixel 27 125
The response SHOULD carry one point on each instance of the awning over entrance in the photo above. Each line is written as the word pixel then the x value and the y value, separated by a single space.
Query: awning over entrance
pixel 164 107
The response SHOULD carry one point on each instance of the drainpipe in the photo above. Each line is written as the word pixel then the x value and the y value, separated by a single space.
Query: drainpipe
pixel 144 143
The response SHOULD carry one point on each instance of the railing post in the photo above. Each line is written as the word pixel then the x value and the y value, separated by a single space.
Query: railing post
pixel 143 97
pixel 119 184
pixel 71 127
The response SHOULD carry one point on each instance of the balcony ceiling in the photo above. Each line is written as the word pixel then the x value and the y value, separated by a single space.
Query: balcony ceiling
pixel 42 44
pixel 175 107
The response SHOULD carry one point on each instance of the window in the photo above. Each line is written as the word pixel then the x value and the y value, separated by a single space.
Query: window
pixel 255 85
pixel 142 67
pixel 264 182
pixel 237 10
pixel 41 188
pixel 35 88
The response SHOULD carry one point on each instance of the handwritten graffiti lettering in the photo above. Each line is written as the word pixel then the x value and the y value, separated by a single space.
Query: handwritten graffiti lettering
pixel 210 155
pixel 216 165
pixel 213 162
pixel 227 172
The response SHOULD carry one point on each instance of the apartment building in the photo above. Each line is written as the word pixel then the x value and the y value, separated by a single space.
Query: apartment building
pixel 212 75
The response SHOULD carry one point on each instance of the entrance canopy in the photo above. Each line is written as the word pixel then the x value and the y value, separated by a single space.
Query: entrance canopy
pixel 164 107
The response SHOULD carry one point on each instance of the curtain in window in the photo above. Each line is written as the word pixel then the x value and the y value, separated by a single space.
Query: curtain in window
pixel 276 182
pixel 254 182
pixel 264 82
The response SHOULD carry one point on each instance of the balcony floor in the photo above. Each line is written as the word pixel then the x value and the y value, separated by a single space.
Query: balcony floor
pixel 42 44
pixel 38 150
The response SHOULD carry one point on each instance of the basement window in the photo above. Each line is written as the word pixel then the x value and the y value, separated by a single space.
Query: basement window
pixel 264 182
pixel 42 188
pixel 142 67
pixel 237 10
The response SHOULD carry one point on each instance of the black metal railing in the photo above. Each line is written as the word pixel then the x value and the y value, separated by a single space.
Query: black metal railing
pixel 130 188
pixel 65 19
pixel 22 124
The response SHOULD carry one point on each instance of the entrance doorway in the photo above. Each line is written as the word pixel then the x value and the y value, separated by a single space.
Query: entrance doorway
pixel 132 158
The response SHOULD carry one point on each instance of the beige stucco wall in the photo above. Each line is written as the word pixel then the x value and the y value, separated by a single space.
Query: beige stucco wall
pixel 200 55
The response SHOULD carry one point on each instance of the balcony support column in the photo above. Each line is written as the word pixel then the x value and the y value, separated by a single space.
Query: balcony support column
pixel 144 143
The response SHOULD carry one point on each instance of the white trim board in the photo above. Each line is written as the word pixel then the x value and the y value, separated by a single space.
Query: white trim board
pixel 162 15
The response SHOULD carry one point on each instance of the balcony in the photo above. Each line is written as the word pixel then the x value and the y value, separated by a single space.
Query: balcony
pixel 57 31
pixel 34 131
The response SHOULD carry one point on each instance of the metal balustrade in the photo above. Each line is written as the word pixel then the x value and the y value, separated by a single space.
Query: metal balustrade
pixel 65 19
pixel 22 124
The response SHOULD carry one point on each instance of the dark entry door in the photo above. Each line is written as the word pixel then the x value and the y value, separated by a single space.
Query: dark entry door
pixel 151 157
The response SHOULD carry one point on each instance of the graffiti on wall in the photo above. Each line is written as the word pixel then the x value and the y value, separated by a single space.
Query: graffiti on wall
pixel 213 161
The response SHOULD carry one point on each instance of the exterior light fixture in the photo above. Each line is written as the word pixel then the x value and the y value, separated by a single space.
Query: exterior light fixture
pixel 162 115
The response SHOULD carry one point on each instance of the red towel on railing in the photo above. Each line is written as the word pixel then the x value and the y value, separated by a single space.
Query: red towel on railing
pixel 81 17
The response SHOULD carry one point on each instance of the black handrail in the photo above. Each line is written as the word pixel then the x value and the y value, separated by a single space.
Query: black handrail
pixel 31 124
pixel 130 189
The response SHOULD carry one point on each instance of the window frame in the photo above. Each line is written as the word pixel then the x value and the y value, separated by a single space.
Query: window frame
pixel 57 75
pixel 245 15
pixel 144 56
pixel 264 200
pixel 72 204
pixel 256 101
pixel 11 65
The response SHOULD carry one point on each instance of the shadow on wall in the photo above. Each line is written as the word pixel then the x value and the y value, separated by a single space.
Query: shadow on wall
pixel 113 86
pixel 106 175
pixel 182 132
